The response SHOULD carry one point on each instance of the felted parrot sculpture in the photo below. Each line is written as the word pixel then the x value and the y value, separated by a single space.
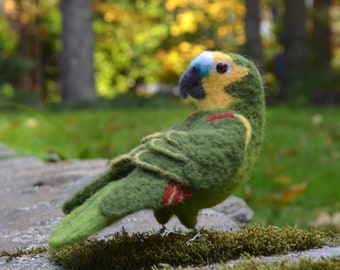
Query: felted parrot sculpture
pixel 193 165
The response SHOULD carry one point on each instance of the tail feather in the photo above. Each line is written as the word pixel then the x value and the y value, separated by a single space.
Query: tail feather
pixel 111 203
pixel 82 221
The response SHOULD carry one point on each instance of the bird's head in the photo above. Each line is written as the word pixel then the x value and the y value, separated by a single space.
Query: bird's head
pixel 222 81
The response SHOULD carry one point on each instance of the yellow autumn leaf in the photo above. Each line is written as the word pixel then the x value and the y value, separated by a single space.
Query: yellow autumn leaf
pixel 187 22
pixel 288 195
pixel 293 192
pixel 283 179
pixel 224 30
pixel 71 120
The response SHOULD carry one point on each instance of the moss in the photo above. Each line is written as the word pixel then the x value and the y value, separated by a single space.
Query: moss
pixel 255 264
pixel 124 251
pixel 302 264
pixel 19 253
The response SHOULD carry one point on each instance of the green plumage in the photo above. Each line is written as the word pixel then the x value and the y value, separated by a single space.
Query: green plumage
pixel 193 165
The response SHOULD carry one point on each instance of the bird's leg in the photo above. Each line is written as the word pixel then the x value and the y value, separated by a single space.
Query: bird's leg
pixel 162 231
pixel 196 235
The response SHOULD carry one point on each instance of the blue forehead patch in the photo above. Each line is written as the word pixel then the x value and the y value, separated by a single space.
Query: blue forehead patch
pixel 204 60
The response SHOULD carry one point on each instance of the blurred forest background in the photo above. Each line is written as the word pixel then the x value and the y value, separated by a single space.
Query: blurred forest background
pixel 80 51
pixel 124 59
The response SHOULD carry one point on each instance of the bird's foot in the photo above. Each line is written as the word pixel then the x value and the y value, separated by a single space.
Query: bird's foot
pixel 197 234
pixel 163 232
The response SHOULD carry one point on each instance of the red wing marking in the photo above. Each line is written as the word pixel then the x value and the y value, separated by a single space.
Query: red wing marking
pixel 175 193
pixel 220 116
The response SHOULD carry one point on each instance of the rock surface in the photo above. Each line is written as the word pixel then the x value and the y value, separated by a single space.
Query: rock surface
pixel 32 193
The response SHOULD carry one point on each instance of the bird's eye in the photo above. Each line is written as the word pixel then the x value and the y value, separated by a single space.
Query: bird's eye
pixel 223 67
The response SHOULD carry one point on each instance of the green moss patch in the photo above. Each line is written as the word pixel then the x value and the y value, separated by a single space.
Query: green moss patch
pixel 255 264
pixel 19 253
pixel 124 251
pixel 302 264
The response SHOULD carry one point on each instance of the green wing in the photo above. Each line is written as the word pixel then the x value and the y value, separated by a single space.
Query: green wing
pixel 203 157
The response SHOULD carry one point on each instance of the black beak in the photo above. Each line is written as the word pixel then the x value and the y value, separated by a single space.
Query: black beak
pixel 190 83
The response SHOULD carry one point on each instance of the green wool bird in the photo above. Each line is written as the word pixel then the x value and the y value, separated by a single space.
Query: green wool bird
pixel 193 165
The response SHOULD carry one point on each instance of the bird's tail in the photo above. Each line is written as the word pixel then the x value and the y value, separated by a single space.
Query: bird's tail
pixel 82 221
pixel 109 204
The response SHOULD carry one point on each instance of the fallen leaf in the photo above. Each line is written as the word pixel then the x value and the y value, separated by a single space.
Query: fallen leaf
pixel 293 192
pixel 283 179
pixel 71 120
pixel 288 195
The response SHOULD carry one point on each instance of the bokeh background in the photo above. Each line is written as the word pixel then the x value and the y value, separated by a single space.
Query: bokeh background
pixel 143 46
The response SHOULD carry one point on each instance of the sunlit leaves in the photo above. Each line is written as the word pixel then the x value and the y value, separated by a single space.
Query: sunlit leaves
pixel 185 22
pixel 125 45
pixel 153 41
pixel 176 60
pixel 141 41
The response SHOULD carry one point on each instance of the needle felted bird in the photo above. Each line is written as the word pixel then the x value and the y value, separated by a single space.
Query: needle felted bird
pixel 190 166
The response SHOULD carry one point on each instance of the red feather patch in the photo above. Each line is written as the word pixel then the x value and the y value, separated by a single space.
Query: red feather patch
pixel 175 193
pixel 220 116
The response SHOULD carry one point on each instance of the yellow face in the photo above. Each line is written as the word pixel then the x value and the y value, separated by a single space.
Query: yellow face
pixel 214 84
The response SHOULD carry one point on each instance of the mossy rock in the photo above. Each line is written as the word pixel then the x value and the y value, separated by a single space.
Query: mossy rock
pixel 138 251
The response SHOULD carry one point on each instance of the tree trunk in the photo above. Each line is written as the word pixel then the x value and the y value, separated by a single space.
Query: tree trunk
pixel 294 39
pixel 38 72
pixel 321 36
pixel 77 71
pixel 25 80
pixel 253 45
pixel 30 48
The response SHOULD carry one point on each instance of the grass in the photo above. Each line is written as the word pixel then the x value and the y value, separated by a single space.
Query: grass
pixel 294 182
pixel 84 133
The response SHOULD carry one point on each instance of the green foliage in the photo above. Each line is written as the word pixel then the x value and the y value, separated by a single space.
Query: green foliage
pixel 12 99
pixel 144 42
pixel 317 86
pixel 122 251
pixel 24 28
pixel 12 65
pixel 126 37
pixel 7 37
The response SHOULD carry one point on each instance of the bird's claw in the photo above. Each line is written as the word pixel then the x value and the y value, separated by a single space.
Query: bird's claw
pixel 163 232
pixel 197 234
